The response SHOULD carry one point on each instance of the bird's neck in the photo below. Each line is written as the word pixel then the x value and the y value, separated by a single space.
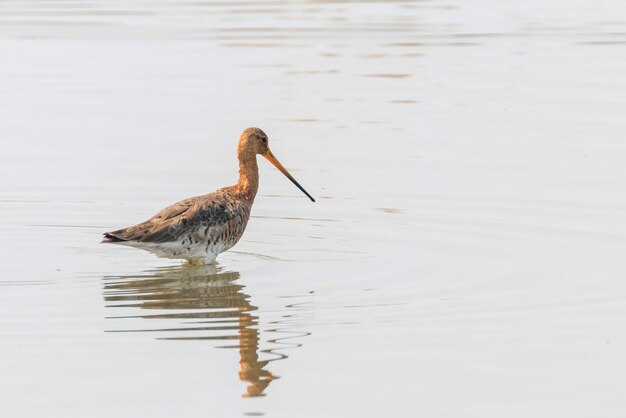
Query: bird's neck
pixel 248 182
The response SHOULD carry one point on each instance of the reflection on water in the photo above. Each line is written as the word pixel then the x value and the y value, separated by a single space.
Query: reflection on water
pixel 205 304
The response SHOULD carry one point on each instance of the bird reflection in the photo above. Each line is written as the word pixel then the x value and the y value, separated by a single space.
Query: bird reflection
pixel 206 304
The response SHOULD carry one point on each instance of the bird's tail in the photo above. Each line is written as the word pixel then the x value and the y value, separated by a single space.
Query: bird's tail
pixel 110 238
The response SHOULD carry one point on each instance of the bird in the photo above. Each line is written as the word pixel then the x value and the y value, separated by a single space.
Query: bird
pixel 198 229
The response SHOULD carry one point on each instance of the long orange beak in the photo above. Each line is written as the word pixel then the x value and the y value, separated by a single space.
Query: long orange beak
pixel 270 157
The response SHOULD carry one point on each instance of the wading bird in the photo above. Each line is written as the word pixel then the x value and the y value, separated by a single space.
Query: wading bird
pixel 199 228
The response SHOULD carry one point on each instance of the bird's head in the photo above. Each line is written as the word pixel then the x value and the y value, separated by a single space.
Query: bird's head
pixel 254 141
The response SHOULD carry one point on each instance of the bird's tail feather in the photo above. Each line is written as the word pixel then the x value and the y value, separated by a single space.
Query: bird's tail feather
pixel 110 238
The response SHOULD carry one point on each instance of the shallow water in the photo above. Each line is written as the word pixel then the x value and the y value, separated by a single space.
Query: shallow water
pixel 465 256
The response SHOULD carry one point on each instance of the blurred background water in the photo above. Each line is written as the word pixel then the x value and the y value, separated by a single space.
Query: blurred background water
pixel 465 256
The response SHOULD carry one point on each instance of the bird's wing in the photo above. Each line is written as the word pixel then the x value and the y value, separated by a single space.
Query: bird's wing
pixel 176 220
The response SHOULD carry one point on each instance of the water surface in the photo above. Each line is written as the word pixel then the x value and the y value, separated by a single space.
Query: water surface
pixel 464 256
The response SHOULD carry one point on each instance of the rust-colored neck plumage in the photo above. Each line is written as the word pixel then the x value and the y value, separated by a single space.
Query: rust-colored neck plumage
pixel 248 182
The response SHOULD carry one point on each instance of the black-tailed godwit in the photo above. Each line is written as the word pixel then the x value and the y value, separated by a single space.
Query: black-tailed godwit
pixel 200 228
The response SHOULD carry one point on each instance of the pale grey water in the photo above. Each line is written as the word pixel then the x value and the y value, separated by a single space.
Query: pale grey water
pixel 465 256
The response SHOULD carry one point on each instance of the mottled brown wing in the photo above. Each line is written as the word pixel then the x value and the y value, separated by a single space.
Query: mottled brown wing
pixel 176 220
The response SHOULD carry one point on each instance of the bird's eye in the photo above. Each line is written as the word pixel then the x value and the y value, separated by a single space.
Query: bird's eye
pixel 263 139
